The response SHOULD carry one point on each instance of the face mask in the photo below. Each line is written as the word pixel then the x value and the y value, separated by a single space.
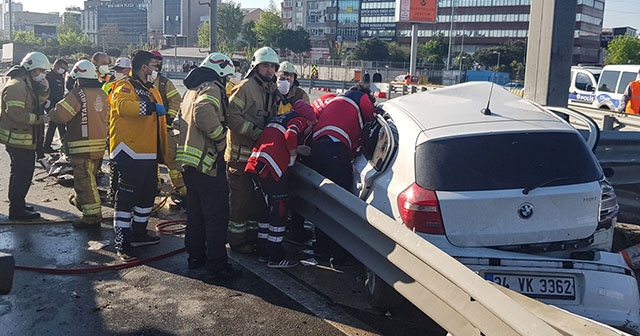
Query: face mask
pixel 118 75
pixel 39 77
pixel 152 77
pixel 60 71
pixel 103 70
pixel 283 86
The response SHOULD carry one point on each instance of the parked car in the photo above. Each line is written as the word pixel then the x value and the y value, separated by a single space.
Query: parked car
pixel 514 85
pixel 511 191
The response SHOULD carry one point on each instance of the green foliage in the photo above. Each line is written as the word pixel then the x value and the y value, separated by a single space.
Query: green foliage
pixel 70 23
pixel 72 38
pixel 248 35
pixel 203 35
pixel 294 40
pixel 27 37
pixel 434 51
pixel 623 49
pixel 398 53
pixel 268 28
pixel 372 49
pixel 511 57
pixel 229 23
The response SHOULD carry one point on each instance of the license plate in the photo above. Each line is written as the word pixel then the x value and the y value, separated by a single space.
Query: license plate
pixel 542 287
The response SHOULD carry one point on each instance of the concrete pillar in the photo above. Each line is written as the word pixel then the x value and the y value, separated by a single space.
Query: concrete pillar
pixel 6 272
pixel 549 51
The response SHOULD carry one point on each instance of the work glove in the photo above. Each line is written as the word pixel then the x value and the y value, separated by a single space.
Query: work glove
pixel 292 160
pixel 160 110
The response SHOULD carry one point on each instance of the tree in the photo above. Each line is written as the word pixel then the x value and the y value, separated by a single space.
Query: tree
pixel 26 36
pixel 248 35
pixel 398 53
pixel 229 24
pixel 203 34
pixel 295 40
pixel 268 28
pixel 434 51
pixel 73 39
pixel 623 49
pixel 372 49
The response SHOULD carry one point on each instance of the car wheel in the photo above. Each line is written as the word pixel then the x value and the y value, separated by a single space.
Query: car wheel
pixel 379 294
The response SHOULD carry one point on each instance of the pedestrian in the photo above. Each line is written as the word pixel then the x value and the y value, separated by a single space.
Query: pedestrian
pixel 336 139
pixel 193 65
pixel 185 66
pixel 55 77
pixel 274 152
pixel 137 143
pixel 251 105
pixel 171 99
pixel 22 99
pixel 289 87
pixel 630 102
pixel 200 157
pixel 85 112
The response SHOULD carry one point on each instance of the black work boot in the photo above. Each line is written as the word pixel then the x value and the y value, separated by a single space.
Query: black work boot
pixel 23 214
pixel 141 237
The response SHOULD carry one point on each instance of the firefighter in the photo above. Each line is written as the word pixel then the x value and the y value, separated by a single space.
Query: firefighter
pixel 23 97
pixel 85 112
pixel 137 143
pixel 335 141
pixel 272 155
pixel 171 98
pixel 289 87
pixel 201 160
pixel 252 103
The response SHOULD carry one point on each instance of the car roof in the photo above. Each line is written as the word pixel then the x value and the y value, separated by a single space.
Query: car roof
pixel 456 111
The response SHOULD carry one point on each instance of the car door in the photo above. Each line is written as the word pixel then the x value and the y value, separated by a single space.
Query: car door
pixel 380 141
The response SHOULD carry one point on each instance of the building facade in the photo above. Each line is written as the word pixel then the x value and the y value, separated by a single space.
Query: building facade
pixel 116 23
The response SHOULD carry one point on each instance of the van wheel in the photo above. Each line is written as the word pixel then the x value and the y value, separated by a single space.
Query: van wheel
pixel 379 294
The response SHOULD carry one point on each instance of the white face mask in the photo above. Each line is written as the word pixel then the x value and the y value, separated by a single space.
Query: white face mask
pixel 152 77
pixel 103 70
pixel 283 86
pixel 60 71
pixel 118 75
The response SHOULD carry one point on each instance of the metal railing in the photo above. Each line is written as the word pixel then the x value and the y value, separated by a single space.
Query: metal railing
pixel 451 294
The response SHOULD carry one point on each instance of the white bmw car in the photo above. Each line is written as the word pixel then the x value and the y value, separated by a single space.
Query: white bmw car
pixel 513 192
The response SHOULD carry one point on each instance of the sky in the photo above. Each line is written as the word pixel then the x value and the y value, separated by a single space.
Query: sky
pixel 617 13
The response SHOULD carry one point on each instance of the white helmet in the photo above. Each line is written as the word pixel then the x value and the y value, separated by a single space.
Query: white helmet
pixel 286 66
pixel 35 60
pixel 220 63
pixel 84 69
pixel 264 55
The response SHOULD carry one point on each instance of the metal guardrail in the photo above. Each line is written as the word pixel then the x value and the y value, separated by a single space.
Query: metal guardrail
pixel 451 294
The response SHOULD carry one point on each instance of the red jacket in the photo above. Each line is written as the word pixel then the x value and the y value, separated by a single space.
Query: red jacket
pixel 271 154
pixel 344 117
pixel 320 103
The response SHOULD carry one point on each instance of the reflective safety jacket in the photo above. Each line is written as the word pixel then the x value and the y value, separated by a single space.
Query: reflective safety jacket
pixel 136 132
pixel 20 111
pixel 295 94
pixel 272 153
pixel 170 97
pixel 343 119
pixel 320 103
pixel 86 113
pixel 204 110
pixel 632 96
pixel 251 105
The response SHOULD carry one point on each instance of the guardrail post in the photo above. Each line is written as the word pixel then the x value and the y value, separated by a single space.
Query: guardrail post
pixel 414 89
pixel 6 272
pixel 390 89
pixel 405 90
pixel 607 123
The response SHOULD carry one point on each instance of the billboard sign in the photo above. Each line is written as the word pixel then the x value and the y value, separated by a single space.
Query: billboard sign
pixel 416 11
pixel 45 31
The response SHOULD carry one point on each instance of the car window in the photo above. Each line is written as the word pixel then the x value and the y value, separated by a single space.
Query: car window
pixel 625 79
pixel 608 81
pixel 583 82
pixel 379 142
pixel 504 161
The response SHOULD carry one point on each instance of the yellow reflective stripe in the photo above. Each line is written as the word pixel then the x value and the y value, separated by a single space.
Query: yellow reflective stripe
pixel 216 133
pixel 17 137
pixel 68 108
pixel 237 101
pixel 192 155
pixel 88 149
pixel 235 148
pixel 172 93
pixel 172 113
pixel 209 98
pixel 246 126
pixel 32 118
pixel 15 103
pixel 91 142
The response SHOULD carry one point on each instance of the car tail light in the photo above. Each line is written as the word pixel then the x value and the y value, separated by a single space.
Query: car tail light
pixel 608 206
pixel 420 211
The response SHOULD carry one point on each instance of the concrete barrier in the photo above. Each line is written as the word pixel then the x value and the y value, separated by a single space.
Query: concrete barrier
pixel 6 272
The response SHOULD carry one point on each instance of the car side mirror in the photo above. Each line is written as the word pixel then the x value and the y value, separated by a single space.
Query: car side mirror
pixel 589 87
pixel 608 172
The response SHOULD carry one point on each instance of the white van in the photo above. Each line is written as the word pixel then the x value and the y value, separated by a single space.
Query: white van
pixel 584 81
pixel 613 81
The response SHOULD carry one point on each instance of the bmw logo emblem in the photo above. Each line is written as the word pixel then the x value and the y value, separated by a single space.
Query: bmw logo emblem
pixel 525 210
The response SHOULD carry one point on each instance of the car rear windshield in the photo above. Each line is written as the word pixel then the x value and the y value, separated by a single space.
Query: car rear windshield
pixel 505 161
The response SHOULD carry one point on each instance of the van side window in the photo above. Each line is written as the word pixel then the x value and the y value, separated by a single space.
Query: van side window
pixel 625 79
pixel 608 81
pixel 583 82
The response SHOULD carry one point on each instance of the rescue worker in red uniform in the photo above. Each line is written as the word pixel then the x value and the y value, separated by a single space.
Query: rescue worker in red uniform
pixel 253 102
pixel 85 112
pixel 630 102
pixel 322 101
pixel 171 98
pixel 272 155
pixel 336 139
pixel 22 99
pixel 200 158
pixel 137 143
